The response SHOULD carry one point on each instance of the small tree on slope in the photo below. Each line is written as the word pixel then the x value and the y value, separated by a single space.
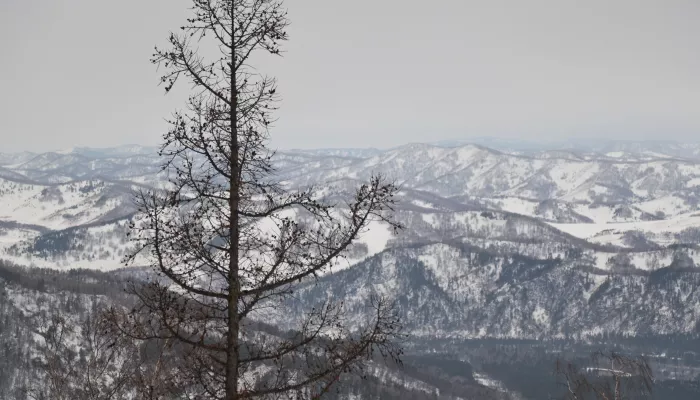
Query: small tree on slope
pixel 611 377
pixel 230 242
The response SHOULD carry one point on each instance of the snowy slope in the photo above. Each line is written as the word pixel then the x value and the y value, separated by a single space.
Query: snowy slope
pixel 617 212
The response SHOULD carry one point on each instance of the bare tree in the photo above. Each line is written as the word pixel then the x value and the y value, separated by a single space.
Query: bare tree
pixel 99 369
pixel 610 376
pixel 230 242
pixel 155 373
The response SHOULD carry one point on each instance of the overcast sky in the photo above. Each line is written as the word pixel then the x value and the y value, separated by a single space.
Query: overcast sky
pixel 369 72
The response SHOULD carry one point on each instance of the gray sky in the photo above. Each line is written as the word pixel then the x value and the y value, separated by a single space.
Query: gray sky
pixel 369 72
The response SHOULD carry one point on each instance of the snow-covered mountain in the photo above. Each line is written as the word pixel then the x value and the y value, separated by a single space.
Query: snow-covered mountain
pixel 637 202
pixel 619 215
pixel 612 148
pixel 568 245
pixel 68 209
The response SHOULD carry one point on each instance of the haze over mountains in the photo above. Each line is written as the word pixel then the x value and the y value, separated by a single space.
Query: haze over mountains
pixel 508 242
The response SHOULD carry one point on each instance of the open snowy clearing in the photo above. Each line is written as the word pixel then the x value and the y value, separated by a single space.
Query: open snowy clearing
pixel 672 225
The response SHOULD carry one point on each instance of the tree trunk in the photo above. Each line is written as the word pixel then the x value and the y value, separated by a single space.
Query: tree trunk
pixel 234 287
